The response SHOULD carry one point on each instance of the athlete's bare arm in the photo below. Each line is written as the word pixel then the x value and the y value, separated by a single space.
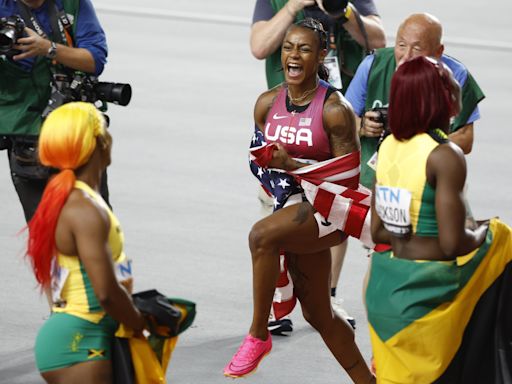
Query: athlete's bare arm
pixel 263 105
pixel 446 172
pixel 340 125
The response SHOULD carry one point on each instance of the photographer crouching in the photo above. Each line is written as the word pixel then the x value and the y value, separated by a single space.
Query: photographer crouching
pixel 41 41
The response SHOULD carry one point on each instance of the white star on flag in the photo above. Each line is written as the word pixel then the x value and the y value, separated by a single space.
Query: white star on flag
pixel 283 183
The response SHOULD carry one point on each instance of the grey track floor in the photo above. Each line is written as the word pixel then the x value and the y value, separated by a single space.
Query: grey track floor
pixel 181 187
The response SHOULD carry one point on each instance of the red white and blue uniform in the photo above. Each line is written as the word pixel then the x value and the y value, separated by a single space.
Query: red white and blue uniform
pixel 301 134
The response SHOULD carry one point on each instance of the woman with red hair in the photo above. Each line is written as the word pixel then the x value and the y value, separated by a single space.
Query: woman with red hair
pixel 422 295
pixel 75 246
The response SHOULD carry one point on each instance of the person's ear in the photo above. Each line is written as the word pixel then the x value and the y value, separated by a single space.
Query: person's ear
pixel 439 51
pixel 322 55
pixel 102 142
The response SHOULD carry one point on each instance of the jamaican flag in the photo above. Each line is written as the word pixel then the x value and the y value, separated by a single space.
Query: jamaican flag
pixel 444 321
pixel 144 359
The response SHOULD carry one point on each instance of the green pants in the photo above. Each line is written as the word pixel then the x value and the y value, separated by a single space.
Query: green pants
pixel 65 340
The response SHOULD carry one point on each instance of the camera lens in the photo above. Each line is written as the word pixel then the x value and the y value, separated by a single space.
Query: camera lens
pixel 335 7
pixel 116 93
pixel 7 39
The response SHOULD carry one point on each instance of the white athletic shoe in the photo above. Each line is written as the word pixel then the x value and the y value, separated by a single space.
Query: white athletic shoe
pixel 337 307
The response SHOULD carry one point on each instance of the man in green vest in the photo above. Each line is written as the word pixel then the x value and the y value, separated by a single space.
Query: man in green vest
pixel 60 36
pixel 354 29
pixel 418 35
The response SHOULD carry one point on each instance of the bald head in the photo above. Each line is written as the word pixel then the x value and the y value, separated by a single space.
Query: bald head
pixel 420 34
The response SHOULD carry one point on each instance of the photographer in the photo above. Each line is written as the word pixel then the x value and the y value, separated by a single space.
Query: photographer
pixel 418 35
pixel 354 29
pixel 271 19
pixel 60 36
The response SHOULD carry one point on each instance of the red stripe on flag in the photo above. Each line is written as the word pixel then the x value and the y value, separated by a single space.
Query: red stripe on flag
pixel 354 195
pixel 323 202
pixel 284 308
pixel 351 182
pixel 345 163
pixel 355 220
pixel 263 155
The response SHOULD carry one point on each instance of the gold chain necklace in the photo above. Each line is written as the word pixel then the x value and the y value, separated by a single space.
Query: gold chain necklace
pixel 295 100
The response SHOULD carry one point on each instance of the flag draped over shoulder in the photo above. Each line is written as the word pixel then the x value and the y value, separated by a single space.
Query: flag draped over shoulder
pixel 444 322
pixel 332 186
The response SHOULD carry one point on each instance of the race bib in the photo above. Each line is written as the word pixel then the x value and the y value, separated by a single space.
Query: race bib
pixel 59 277
pixel 331 63
pixel 393 207
pixel 123 270
pixel 372 163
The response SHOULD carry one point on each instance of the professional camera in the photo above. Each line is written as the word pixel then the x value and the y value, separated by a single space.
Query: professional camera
pixel 332 7
pixel 83 87
pixel 383 116
pixel 11 29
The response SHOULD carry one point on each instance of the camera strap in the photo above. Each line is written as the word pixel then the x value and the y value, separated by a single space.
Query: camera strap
pixel 29 18
pixel 61 25
pixel 362 28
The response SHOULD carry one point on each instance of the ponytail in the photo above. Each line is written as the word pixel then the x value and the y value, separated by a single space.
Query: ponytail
pixel 323 72
pixel 41 240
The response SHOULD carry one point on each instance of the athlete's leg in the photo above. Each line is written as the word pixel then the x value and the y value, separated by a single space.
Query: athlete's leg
pixel 337 258
pixel 293 229
pixel 310 274
pixel 97 372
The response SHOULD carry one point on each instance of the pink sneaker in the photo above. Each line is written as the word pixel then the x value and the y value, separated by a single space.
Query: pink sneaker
pixel 248 356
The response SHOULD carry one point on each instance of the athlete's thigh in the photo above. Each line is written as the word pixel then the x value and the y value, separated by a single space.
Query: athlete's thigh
pixel 97 372
pixel 295 229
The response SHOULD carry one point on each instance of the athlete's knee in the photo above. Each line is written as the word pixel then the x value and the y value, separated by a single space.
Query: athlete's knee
pixel 319 321
pixel 326 324
pixel 261 236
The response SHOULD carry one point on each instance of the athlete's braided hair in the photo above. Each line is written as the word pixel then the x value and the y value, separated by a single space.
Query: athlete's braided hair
pixel 67 140
pixel 318 28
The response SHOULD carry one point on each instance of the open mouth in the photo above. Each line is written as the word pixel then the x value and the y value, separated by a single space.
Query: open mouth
pixel 294 70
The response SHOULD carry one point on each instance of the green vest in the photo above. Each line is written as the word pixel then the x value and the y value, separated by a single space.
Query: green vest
pixel 377 95
pixel 24 95
pixel 350 53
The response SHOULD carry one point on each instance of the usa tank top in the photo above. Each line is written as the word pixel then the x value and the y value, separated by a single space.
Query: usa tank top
pixel 302 134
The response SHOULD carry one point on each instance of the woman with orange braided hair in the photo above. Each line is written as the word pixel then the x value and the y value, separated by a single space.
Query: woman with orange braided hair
pixel 75 246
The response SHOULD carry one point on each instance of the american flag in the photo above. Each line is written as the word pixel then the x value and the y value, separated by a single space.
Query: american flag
pixel 277 183
pixel 331 186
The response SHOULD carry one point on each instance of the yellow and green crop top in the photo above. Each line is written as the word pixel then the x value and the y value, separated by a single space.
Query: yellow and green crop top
pixel 404 200
pixel 72 291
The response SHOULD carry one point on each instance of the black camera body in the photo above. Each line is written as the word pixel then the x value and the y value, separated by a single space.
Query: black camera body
pixel 332 7
pixel 383 116
pixel 80 86
pixel 11 29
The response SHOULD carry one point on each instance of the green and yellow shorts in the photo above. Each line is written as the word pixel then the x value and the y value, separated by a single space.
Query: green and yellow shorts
pixel 65 340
